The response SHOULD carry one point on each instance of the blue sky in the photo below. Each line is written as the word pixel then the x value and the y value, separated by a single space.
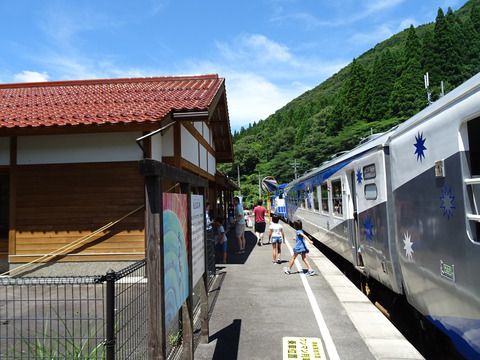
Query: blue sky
pixel 269 51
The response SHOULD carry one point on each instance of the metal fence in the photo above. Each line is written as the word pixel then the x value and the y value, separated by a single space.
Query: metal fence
pixel 95 317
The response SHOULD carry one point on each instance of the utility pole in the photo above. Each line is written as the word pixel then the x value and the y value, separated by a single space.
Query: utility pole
pixel 294 164
pixel 238 178
pixel 427 84
pixel 259 187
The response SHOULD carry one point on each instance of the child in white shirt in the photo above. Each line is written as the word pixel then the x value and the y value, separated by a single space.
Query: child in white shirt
pixel 276 236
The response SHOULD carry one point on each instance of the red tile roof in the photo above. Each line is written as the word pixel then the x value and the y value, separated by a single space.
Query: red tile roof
pixel 105 101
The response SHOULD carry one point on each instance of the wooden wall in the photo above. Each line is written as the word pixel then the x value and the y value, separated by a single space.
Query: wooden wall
pixel 57 204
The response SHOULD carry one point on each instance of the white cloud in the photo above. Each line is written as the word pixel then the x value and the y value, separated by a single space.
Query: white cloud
pixel 30 76
pixel 405 23
pixel 380 5
pixel 252 97
pixel 371 38
pixel 254 47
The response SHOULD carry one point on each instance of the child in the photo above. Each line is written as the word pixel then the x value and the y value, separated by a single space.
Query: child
pixel 220 240
pixel 300 248
pixel 276 236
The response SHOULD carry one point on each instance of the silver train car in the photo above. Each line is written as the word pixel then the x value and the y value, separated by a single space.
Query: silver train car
pixel 404 208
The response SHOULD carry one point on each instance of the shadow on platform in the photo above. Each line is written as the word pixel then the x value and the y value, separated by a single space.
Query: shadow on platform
pixel 227 341
pixel 232 247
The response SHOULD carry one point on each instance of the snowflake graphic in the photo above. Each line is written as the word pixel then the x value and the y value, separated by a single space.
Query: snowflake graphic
pixel 359 176
pixel 420 146
pixel 408 245
pixel 368 225
pixel 447 202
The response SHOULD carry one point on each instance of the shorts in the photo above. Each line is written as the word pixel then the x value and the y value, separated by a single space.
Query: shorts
pixel 276 239
pixel 221 247
pixel 260 227
pixel 239 229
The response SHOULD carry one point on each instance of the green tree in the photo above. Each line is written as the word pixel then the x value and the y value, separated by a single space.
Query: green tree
pixel 408 94
pixel 379 87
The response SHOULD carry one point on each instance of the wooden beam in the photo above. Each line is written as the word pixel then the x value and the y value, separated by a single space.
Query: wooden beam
pixel 177 143
pixel 185 164
pixel 199 137
pixel 149 167
pixel 80 129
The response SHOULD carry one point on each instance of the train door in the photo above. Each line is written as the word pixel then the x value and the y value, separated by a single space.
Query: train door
pixel 355 229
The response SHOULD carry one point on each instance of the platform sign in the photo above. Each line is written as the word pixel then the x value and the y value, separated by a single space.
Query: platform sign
pixel 198 237
pixel 303 348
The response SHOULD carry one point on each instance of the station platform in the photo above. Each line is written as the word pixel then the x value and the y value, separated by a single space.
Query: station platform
pixel 259 312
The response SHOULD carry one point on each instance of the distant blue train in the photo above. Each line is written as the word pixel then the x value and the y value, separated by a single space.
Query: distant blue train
pixel 404 208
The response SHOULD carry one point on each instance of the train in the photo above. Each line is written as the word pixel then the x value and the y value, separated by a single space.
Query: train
pixel 403 207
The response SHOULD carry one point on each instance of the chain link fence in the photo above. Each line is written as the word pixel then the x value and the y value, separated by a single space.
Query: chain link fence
pixel 94 317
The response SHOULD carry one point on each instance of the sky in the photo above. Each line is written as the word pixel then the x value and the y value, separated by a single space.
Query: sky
pixel 268 51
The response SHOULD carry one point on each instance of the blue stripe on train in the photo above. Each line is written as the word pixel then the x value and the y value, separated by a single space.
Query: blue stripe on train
pixel 464 333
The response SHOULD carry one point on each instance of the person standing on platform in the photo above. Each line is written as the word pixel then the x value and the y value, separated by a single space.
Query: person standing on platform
pixel 276 237
pixel 239 219
pixel 299 249
pixel 220 240
pixel 259 212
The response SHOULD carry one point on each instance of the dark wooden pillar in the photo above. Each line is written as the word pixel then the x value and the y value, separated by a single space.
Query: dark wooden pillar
pixel 12 175
pixel 155 268
pixel 187 307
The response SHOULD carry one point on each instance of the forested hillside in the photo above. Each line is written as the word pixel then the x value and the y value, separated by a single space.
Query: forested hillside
pixel 378 90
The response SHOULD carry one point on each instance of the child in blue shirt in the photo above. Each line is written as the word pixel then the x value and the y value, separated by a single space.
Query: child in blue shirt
pixel 299 249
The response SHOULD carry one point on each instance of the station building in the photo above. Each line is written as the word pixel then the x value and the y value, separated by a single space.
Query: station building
pixel 69 154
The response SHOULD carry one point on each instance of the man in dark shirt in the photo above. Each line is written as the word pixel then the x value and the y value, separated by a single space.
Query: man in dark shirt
pixel 259 212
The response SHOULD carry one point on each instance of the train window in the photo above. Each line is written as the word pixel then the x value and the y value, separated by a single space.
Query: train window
pixel 309 198
pixel 337 197
pixel 370 191
pixel 316 195
pixel 324 196
pixel 369 172
pixel 473 135
pixel 4 205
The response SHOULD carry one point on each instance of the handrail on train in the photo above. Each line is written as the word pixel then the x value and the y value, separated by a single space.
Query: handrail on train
pixel 471 182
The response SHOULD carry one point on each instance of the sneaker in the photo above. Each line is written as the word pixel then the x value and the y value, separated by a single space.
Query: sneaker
pixel 311 272
pixel 286 270
pixel 279 261
pixel 259 243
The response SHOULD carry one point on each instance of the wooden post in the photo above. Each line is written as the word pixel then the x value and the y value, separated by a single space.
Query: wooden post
pixel 155 268
pixel 187 307
pixel 12 175
pixel 204 332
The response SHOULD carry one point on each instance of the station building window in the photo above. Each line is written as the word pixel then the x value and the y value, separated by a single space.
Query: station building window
pixel 324 197
pixel 337 197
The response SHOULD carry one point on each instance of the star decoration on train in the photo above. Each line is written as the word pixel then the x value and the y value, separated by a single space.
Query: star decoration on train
pixel 420 146
pixel 359 176
pixel 407 240
pixel 447 202
pixel 368 225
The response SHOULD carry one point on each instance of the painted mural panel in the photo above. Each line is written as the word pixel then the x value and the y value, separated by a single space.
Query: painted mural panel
pixel 175 237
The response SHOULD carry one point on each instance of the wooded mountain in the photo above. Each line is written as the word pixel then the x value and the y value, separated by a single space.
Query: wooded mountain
pixel 379 89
